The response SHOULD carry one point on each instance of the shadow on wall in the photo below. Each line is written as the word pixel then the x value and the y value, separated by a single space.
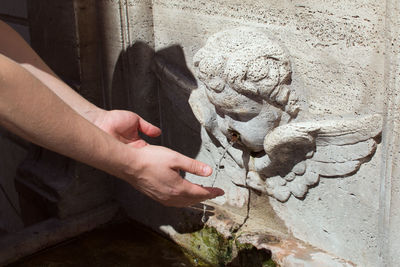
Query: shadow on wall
pixel 157 86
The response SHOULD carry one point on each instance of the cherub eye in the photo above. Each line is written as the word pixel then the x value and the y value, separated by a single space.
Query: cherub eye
pixel 263 68
pixel 211 66
pixel 258 69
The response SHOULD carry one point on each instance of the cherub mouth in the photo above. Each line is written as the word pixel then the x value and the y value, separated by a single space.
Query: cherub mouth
pixel 234 136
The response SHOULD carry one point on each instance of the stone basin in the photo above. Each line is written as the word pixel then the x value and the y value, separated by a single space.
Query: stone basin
pixel 129 243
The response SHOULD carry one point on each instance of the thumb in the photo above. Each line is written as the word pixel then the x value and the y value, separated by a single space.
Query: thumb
pixel 148 129
pixel 192 166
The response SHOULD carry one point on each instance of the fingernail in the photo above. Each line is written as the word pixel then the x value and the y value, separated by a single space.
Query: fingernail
pixel 207 170
pixel 218 194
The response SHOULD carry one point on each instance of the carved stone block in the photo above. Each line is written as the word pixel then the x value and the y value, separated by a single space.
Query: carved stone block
pixel 247 103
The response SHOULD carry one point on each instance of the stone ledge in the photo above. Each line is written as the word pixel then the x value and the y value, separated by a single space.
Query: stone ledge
pixel 42 235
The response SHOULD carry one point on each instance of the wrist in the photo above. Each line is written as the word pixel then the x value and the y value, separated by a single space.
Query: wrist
pixel 130 165
pixel 95 115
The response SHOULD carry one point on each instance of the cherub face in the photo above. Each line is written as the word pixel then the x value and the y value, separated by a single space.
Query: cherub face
pixel 245 77
pixel 246 114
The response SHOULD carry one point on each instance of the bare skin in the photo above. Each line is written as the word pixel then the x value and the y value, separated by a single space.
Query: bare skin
pixel 39 107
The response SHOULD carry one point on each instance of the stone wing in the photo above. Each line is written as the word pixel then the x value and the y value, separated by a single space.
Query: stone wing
pixel 302 152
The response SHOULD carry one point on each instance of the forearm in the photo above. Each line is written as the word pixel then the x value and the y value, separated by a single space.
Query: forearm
pixel 31 110
pixel 17 49
pixel 83 107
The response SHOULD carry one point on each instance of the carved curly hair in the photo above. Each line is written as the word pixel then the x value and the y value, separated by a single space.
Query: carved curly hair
pixel 251 62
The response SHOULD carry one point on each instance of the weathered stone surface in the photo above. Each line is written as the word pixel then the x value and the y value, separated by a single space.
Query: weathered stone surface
pixel 51 185
pixel 338 64
pixel 291 252
pixel 343 60
pixel 389 219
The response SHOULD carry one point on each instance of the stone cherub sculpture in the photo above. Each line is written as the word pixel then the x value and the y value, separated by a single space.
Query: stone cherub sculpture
pixel 245 97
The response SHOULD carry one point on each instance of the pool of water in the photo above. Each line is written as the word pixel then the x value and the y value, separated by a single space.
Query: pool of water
pixel 118 244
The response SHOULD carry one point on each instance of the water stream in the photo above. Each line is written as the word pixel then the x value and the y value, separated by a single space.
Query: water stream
pixel 203 218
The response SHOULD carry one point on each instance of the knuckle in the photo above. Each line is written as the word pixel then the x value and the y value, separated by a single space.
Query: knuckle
pixel 194 166
pixel 169 197
pixel 173 156
pixel 173 192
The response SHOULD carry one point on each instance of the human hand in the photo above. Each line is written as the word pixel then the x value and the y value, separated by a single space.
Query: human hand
pixel 125 126
pixel 155 172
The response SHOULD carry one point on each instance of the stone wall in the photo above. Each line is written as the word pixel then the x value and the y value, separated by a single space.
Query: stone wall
pixel 344 60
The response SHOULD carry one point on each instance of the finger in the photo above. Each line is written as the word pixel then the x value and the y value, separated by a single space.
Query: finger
pixel 192 166
pixel 192 194
pixel 199 193
pixel 148 128
pixel 216 191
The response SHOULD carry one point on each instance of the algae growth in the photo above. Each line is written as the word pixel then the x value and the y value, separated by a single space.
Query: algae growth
pixel 212 247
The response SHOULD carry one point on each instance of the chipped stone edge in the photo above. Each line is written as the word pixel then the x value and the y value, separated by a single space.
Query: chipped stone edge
pixel 291 252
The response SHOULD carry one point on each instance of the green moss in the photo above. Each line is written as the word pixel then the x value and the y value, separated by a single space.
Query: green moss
pixel 216 250
pixel 211 246
pixel 243 246
pixel 269 263
pixel 195 260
